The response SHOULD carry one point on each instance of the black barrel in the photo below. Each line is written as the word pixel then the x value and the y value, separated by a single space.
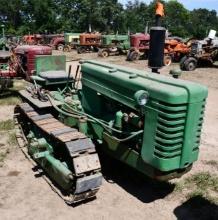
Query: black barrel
pixel 156 48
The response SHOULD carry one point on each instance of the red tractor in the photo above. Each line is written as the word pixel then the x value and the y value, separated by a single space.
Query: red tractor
pixel 139 46
pixel 24 57
pixel 57 43
pixel 7 70
pixel 32 62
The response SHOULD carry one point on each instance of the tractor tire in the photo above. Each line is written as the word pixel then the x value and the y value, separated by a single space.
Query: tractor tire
pixel 103 53
pixel 145 55
pixel 60 47
pixel 188 64
pixel 134 55
pixel 81 50
pixel 128 54
pixel 167 60
pixel 67 49
pixel 182 62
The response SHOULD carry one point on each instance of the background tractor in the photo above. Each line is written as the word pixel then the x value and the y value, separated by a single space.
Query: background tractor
pixel 71 41
pixel 57 43
pixel 89 42
pixel 202 52
pixel 35 39
pixel 114 45
pixel 139 47
pixel 24 57
pixel 7 70
pixel 175 49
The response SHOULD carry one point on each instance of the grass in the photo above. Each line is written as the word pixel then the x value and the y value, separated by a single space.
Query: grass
pixel 2 156
pixel 212 163
pixel 6 125
pixel 201 184
pixel 19 85
pixel 12 140
pixel 10 100
pixel 11 96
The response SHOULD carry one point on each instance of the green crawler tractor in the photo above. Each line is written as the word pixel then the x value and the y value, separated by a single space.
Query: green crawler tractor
pixel 148 121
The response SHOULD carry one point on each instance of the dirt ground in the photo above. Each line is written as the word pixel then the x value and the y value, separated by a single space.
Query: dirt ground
pixel 126 196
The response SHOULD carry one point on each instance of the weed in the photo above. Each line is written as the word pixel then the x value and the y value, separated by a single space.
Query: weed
pixel 12 140
pixel 203 181
pixel 19 85
pixel 6 125
pixel 201 184
pixel 2 156
pixel 10 100
pixel 212 163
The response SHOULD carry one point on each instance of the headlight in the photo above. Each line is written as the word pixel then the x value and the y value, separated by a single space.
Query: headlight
pixel 141 97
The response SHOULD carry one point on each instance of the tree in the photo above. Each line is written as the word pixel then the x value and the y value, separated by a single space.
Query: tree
pixel 40 15
pixel 9 15
pixel 176 17
pixel 108 16
pixel 136 16
pixel 201 21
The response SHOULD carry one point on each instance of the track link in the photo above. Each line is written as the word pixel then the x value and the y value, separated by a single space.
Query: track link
pixel 69 146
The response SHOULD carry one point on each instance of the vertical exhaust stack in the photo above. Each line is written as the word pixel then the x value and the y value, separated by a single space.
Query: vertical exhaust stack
pixel 157 41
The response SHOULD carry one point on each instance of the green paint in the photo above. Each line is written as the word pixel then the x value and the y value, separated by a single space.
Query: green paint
pixel 172 116
pixel 47 62
pixel 112 101
pixel 42 152
pixel 122 42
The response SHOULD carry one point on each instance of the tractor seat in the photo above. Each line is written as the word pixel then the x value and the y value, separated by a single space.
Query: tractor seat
pixel 55 75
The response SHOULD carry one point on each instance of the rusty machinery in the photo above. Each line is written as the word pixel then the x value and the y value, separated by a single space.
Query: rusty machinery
pixel 89 42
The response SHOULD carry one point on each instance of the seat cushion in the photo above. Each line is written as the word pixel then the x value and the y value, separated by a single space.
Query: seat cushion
pixel 55 75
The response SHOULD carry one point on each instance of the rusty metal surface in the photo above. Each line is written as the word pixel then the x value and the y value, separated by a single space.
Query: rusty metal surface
pixel 48 63
pixel 71 136
pixel 36 102
pixel 86 163
pixel 90 39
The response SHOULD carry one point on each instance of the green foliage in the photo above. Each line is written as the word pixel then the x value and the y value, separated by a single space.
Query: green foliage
pixel 201 21
pixel 41 16
pixel 176 18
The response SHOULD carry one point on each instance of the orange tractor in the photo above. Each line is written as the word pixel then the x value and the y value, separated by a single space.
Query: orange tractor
pixel 32 39
pixel 175 49
pixel 89 42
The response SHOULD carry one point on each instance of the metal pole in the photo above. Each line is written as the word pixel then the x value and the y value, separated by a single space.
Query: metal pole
pixel 3 31
pixel 146 27
pixel 3 36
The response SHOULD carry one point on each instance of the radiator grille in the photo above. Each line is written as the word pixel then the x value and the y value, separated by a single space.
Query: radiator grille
pixel 199 127
pixel 170 129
